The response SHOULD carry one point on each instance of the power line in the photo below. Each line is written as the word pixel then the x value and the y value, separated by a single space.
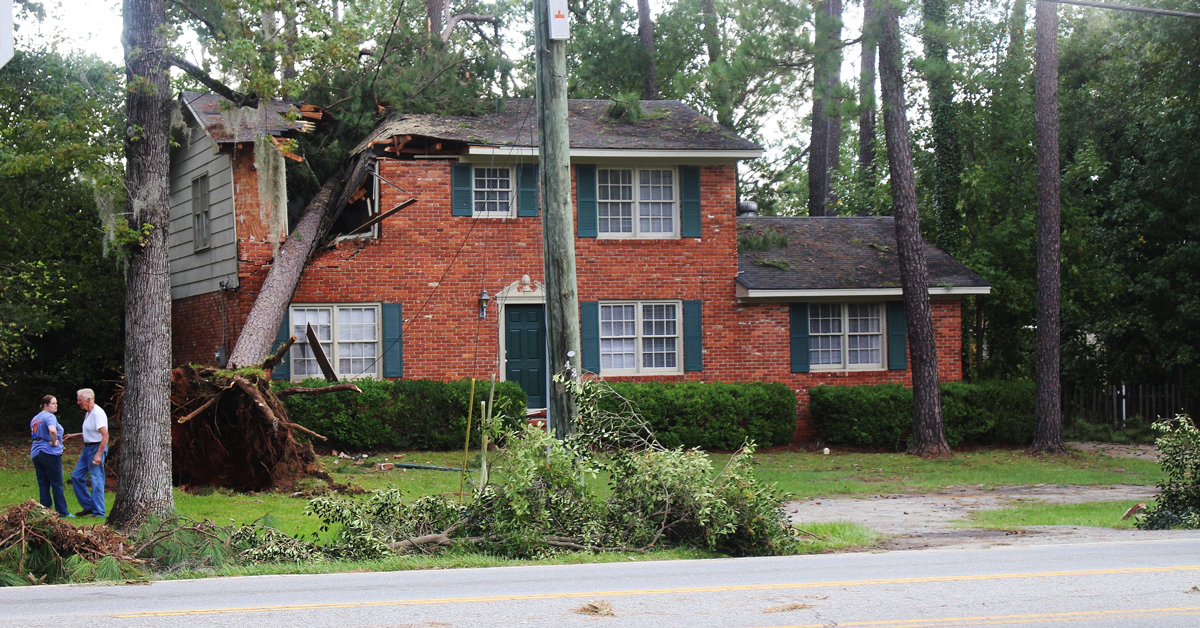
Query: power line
pixel 1126 7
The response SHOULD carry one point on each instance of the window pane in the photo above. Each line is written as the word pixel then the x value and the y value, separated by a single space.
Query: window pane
pixel 617 337
pixel 864 341
pixel 614 207
pixel 656 209
pixel 493 190
pixel 659 331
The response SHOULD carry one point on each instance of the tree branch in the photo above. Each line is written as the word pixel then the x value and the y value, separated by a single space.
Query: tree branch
pixel 317 391
pixel 465 17
pixel 237 98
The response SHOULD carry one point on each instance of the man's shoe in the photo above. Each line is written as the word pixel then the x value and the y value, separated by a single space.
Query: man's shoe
pixel 83 513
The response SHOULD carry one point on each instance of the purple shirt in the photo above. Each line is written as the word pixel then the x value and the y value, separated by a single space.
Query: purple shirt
pixel 39 429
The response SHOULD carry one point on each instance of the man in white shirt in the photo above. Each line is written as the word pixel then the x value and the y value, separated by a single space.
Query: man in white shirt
pixel 91 462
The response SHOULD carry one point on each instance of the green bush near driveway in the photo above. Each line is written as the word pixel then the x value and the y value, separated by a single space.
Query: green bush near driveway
pixel 713 415
pixel 880 416
pixel 405 414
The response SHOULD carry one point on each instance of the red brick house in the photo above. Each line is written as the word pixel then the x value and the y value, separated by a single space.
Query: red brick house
pixel 450 287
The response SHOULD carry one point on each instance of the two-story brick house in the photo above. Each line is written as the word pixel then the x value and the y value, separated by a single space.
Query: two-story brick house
pixel 451 286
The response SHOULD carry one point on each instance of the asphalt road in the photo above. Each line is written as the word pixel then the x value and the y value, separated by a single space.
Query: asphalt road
pixel 1147 583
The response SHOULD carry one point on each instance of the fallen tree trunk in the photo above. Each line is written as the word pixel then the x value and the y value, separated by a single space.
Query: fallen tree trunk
pixel 270 306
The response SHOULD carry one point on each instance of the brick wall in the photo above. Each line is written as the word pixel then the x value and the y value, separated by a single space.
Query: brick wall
pixel 436 265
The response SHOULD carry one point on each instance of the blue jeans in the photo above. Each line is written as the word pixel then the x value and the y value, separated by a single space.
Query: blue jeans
pixel 48 469
pixel 84 471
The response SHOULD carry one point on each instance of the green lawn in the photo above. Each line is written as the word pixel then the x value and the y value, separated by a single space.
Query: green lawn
pixel 1093 514
pixel 800 474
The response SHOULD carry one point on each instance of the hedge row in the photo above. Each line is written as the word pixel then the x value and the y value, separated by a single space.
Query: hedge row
pixel 401 414
pixel 714 415
pixel 984 413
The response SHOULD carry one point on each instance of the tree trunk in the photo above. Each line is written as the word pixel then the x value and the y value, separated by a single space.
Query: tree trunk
pixel 947 163
pixel 646 35
pixel 435 16
pixel 712 35
pixel 1047 433
pixel 290 37
pixel 866 100
pixel 822 149
pixel 145 468
pixel 270 306
pixel 927 438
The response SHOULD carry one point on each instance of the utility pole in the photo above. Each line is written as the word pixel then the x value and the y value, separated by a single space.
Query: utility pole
pixel 558 226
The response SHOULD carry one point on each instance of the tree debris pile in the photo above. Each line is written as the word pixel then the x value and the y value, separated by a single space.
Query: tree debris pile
pixel 533 503
pixel 36 546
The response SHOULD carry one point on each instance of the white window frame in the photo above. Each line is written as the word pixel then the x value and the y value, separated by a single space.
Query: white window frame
pixel 637 232
pixel 639 338
pixel 844 335
pixel 201 214
pixel 513 195
pixel 335 343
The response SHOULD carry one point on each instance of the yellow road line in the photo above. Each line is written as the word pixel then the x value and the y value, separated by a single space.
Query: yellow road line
pixel 994 620
pixel 672 591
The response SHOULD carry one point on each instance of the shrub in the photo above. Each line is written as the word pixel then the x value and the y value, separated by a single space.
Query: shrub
pixel 880 416
pixel 402 414
pixel 1178 503
pixel 712 415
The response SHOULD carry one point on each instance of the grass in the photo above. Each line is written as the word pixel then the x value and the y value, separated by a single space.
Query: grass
pixel 1090 514
pixel 829 536
pixel 806 475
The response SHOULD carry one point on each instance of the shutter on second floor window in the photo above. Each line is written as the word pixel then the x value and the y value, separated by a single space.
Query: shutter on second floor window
pixel 461 190
pixel 689 201
pixel 897 336
pixel 284 369
pixel 585 199
pixel 693 336
pixel 527 190
pixel 393 343
pixel 799 337
pixel 589 336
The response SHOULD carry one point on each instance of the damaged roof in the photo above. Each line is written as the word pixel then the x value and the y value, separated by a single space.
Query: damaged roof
pixel 823 254
pixel 664 125
pixel 269 118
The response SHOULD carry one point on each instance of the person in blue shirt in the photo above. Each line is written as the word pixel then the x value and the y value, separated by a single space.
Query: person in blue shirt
pixel 46 453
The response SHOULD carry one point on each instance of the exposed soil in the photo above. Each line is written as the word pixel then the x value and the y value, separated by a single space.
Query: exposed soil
pixel 921 521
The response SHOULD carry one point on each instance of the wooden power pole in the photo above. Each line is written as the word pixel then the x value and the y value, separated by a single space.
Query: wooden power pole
pixel 558 226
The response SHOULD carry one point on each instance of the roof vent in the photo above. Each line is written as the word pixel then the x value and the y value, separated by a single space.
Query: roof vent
pixel 747 208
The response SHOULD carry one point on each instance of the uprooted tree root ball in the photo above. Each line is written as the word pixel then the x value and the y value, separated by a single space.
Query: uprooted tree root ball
pixel 36 546
pixel 230 430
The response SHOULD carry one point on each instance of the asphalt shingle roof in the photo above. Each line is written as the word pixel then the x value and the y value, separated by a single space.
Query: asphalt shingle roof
pixel 836 253
pixel 268 119
pixel 666 125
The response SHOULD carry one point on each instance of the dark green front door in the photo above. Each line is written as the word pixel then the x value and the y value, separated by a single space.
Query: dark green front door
pixel 525 350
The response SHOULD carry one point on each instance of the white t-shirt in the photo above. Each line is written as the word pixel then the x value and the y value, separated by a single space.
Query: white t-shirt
pixel 92 423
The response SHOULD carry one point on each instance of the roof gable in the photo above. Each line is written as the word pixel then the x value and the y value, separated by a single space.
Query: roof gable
pixel 215 114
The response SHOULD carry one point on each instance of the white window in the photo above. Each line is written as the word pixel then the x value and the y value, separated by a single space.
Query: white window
pixel 493 192
pixel 349 336
pixel 201 229
pixel 637 202
pixel 845 336
pixel 640 338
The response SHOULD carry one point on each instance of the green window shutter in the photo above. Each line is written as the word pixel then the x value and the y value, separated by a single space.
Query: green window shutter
pixel 462 192
pixel 585 195
pixel 589 335
pixel 283 370
pixel 527 190
pixel 693 336
pixel 897 336
pixel 689 201
pixel 799 336
pixel 393 344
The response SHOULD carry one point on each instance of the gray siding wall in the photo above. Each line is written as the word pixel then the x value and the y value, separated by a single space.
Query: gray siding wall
pixel 199 272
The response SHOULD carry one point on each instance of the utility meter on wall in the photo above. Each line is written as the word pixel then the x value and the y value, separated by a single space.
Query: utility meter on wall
pixel 560 26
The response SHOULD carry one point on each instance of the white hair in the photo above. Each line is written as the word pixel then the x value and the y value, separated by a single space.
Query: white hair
pixel 86 393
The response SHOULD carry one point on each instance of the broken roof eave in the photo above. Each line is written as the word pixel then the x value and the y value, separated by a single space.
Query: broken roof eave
pixel 745 294
pixel 625 153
